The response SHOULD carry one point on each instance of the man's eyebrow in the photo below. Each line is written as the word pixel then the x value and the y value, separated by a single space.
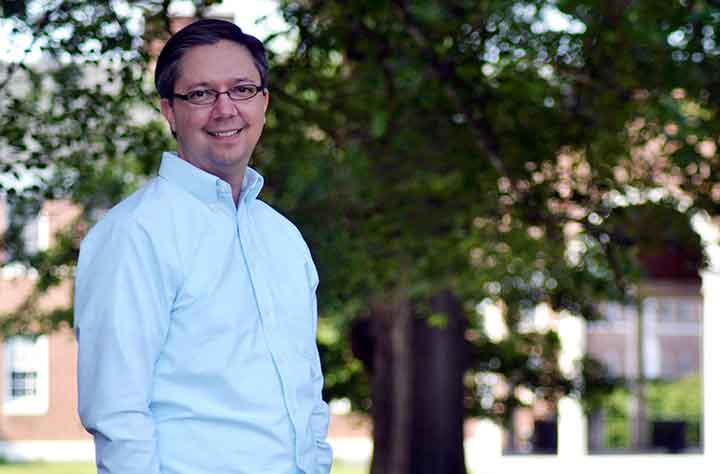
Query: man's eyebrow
pixel 208 86
pixel 198 84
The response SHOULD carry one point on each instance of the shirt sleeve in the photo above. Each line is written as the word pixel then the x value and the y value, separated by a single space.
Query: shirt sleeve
pixel 320 417
pixel 122 312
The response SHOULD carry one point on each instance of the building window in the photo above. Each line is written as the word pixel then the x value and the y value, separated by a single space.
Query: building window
pixel 35 238
pixel 36 233
pixel 665 309
pixel 26 375
pixel 688 310
pixel 613 362
pixel 615 316
pixel 614 313
pixel 673 309
pixel 685 365
pixel 23 384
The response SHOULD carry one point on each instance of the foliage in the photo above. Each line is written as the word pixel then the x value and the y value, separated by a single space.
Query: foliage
pixel 617 419
pixel 462 145
pixel 679 400
pixel 79 121
pixel 468 145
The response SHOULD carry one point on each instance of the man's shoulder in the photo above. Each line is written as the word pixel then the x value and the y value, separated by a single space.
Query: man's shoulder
pixel 147 208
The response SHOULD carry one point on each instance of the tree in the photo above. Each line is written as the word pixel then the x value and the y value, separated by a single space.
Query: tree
pixel 462 146
pixel 79 121
pixel 437 155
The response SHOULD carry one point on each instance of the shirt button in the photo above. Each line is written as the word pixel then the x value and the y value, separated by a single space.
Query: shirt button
pixel 221 187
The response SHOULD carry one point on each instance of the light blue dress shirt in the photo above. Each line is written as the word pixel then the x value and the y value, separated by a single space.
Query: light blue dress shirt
pixel 196 326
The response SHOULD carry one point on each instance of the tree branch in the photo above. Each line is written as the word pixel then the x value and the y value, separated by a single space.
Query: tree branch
pixel 446 72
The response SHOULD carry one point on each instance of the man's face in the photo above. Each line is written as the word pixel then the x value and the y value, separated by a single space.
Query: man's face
pixel 217 138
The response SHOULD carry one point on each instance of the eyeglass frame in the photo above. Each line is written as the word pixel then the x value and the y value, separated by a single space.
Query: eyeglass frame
pixel 260 89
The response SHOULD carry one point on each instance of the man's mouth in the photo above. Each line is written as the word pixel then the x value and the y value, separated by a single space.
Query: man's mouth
pixel 225 133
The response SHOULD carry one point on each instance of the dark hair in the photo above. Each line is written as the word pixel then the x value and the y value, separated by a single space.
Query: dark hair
pixel 199 33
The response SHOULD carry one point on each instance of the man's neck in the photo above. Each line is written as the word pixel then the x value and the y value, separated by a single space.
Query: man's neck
pixel 233 177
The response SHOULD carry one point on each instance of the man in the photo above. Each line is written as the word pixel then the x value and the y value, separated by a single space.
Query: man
pixel 195 305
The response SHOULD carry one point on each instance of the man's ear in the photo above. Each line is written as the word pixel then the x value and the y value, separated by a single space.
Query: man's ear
pixel 167 110
pixel 267 99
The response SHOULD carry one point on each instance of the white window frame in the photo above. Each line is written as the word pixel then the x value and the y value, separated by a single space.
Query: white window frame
pixel 35 359
pixel 36 238
pixel 36 233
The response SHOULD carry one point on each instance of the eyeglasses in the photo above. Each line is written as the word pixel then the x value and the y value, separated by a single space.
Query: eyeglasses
pixel 209 96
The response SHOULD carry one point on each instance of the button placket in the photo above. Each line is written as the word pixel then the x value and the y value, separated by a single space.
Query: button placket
pixel 257 272
pixel 263 294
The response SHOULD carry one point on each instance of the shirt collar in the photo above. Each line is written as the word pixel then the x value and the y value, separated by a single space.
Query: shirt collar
pixel 203 185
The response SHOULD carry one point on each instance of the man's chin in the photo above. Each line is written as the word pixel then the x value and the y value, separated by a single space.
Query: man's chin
pixel 222 164
pixel 230 159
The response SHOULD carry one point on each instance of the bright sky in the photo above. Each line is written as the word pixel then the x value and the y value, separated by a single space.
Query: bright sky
pixel 259 18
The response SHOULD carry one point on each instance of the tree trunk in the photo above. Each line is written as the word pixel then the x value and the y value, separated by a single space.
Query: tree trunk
pixel 438 412
pixel 391 385
pixel 417 388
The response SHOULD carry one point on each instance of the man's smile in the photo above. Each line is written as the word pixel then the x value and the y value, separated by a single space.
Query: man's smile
pixel 225 133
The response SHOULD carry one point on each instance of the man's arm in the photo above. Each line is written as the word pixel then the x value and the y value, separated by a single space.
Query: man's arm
pixel 122 310
pixel 320 416
pixel 319 420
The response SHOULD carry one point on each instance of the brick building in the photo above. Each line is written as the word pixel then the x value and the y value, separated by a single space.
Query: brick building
pixel 670 329
pixel 671 333
pixel 38 414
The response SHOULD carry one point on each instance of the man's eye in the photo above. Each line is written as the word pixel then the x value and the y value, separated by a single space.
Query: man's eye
pixel 198 94
pixel 242 89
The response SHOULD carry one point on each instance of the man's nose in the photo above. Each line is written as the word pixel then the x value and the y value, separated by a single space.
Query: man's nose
pixel 224 106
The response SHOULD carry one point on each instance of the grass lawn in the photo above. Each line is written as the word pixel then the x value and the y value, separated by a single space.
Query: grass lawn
pixel 85 468
pixel 339 468
pixel 50 468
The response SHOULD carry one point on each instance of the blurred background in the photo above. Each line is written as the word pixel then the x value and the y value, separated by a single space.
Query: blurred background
pixel 513 206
